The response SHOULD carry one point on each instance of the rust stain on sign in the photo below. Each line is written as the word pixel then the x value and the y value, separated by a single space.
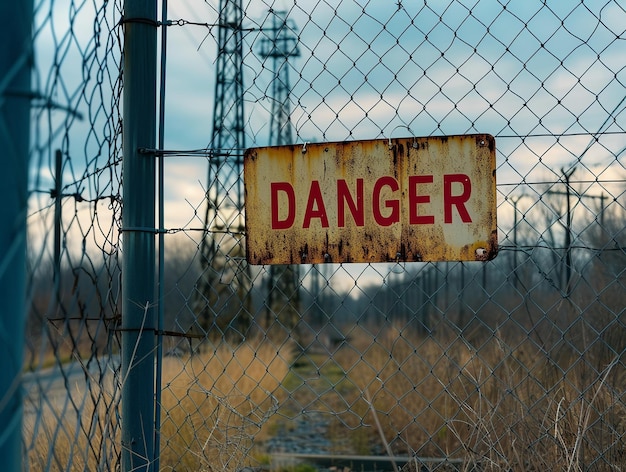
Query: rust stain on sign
pixel 405 199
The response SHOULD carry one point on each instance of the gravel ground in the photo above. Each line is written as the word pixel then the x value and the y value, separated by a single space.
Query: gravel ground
pixel 307 434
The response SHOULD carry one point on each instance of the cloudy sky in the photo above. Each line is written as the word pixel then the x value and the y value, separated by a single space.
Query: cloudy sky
pixel 544 78
pixel 522 71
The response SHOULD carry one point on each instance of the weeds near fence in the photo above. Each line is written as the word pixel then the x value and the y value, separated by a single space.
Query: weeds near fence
pixel 71 430
pixel 494 407
pixel 217 401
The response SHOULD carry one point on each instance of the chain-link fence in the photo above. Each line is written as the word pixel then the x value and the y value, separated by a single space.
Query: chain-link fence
pixel 511 364
pixel 71 355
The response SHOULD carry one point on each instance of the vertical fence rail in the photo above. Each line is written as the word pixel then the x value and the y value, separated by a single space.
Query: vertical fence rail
pixel 138 267
pixel 161 246
pixel 15 69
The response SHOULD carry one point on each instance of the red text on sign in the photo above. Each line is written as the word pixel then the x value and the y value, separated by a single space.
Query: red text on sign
pixel 384 210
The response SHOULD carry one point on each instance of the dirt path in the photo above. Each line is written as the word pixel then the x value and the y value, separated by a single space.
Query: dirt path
pixel 308 424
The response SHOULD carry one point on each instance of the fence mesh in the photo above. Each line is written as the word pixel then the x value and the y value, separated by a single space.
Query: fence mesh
pixel 512 364
pixel 72 349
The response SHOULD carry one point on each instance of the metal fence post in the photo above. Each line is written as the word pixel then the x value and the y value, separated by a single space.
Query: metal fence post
pixel 138 264
pixel 15 64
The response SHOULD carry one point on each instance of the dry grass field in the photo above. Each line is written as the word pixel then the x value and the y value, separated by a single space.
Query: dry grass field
pixel 492 406
pixel 216 402
pixel 213 404
pixel 496 407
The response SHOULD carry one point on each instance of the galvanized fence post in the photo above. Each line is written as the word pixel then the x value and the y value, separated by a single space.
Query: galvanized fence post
pixel 138 264
pixel 15 68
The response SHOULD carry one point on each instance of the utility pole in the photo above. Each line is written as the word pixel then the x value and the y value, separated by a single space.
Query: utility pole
pixel 515 247
pixel 568 193
pixel 568 229
pixel 16 58
pixel 283 296
pixel 58 190
pixel 569 220
pixel 225 284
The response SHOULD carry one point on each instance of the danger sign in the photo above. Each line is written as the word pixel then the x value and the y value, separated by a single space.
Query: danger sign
pixel 408 199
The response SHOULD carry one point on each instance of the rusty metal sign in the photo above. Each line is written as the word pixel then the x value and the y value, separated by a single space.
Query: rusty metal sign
pixel 381 200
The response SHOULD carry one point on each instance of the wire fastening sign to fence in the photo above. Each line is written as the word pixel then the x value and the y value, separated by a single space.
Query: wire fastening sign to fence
pixel 407 199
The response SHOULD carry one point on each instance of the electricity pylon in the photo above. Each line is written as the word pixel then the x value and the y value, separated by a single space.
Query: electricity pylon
pixel 224 288
pixel 280 46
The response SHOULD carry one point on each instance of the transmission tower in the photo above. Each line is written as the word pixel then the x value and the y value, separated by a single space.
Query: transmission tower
pixel 225 284
pixel 279 46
